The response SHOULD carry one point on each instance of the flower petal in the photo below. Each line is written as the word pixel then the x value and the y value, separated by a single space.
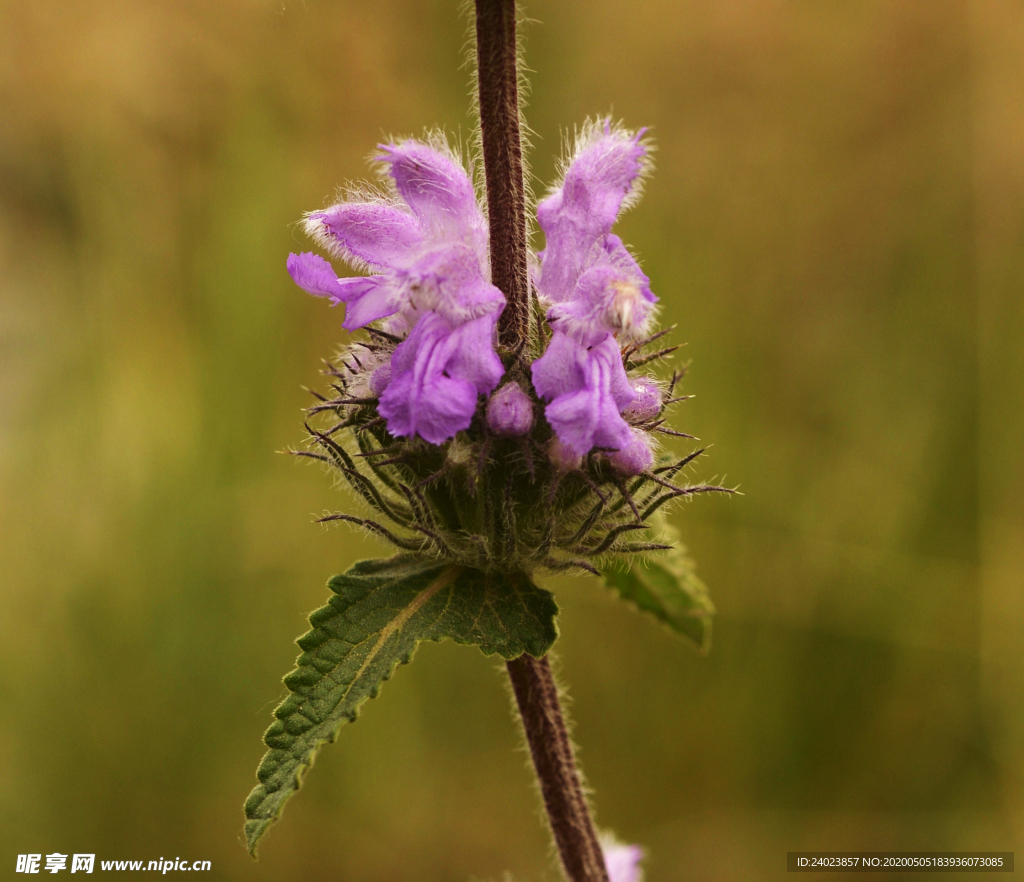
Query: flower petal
pixel 510 411
pixel 634 457
pixel 619 387
pixel 587 419
pixel 447 409
pixel 606 300
pixel 367 234
pixel 618 255
pixel 587 389
pixel 646 404
pixel 449 280
pixel 578 215
pixel 437 374
pixel 315 275
pixel 472 355
pixel 436 187
pixel 561 369
pixel 367 299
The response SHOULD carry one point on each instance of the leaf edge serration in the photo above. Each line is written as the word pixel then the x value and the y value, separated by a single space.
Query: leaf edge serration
pixel 458 620
pixel 677 570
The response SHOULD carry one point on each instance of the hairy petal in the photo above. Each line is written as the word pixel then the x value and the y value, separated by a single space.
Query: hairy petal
pixel 607 300
pixel 617 254
pixel 448 411
pixel 473 356
pixel 562 368
pixel 367 299
pixel 437 374
pixel 437 189
pixel 587 419
pixel 367 233
pixel 380 379
pixel 587 389
pixel 315 275
pixel 449 280
pixel 432 256
pixel 578 215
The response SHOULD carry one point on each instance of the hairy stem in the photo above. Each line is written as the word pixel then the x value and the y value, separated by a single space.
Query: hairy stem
pixel 503 164
pixel 554 759
pixel 532 680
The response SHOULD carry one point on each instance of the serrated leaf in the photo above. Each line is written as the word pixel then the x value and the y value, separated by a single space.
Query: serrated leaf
pixel 665 585
pixel 380 611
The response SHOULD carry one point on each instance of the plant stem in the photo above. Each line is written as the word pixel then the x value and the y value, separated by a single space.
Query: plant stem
pixel 498 86
pixel 532 680
pixel 554 759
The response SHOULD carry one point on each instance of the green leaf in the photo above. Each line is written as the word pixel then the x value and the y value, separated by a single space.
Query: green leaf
pixel 665 585
pixel 380 611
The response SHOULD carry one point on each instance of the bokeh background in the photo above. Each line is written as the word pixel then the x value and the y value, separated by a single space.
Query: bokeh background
pixel 836 222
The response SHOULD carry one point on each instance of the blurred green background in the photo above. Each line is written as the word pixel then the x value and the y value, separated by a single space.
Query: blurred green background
pixel 836 222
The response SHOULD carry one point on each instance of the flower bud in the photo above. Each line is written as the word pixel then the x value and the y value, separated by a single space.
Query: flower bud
pixel 647 403
pixel 635 457
pixel 510 411
pixel 380 378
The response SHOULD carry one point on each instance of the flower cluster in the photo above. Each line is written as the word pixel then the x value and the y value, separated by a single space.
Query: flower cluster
pixel 430 253
pixel 597 293
pixel 429 247
pixel 495 459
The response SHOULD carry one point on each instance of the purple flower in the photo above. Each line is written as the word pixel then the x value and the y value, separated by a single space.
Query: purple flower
pixel 596 292
pixel 588 388
pixel 427 247
pixel 510 411
pixel 368 299
pixel 622 861
pixel 601 180
pixel 437 374
pixel 426 244
pixel 606 300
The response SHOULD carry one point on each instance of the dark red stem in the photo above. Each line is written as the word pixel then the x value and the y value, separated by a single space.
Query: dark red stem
pixel 532 680
pixel 555 761
pixel 503 164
